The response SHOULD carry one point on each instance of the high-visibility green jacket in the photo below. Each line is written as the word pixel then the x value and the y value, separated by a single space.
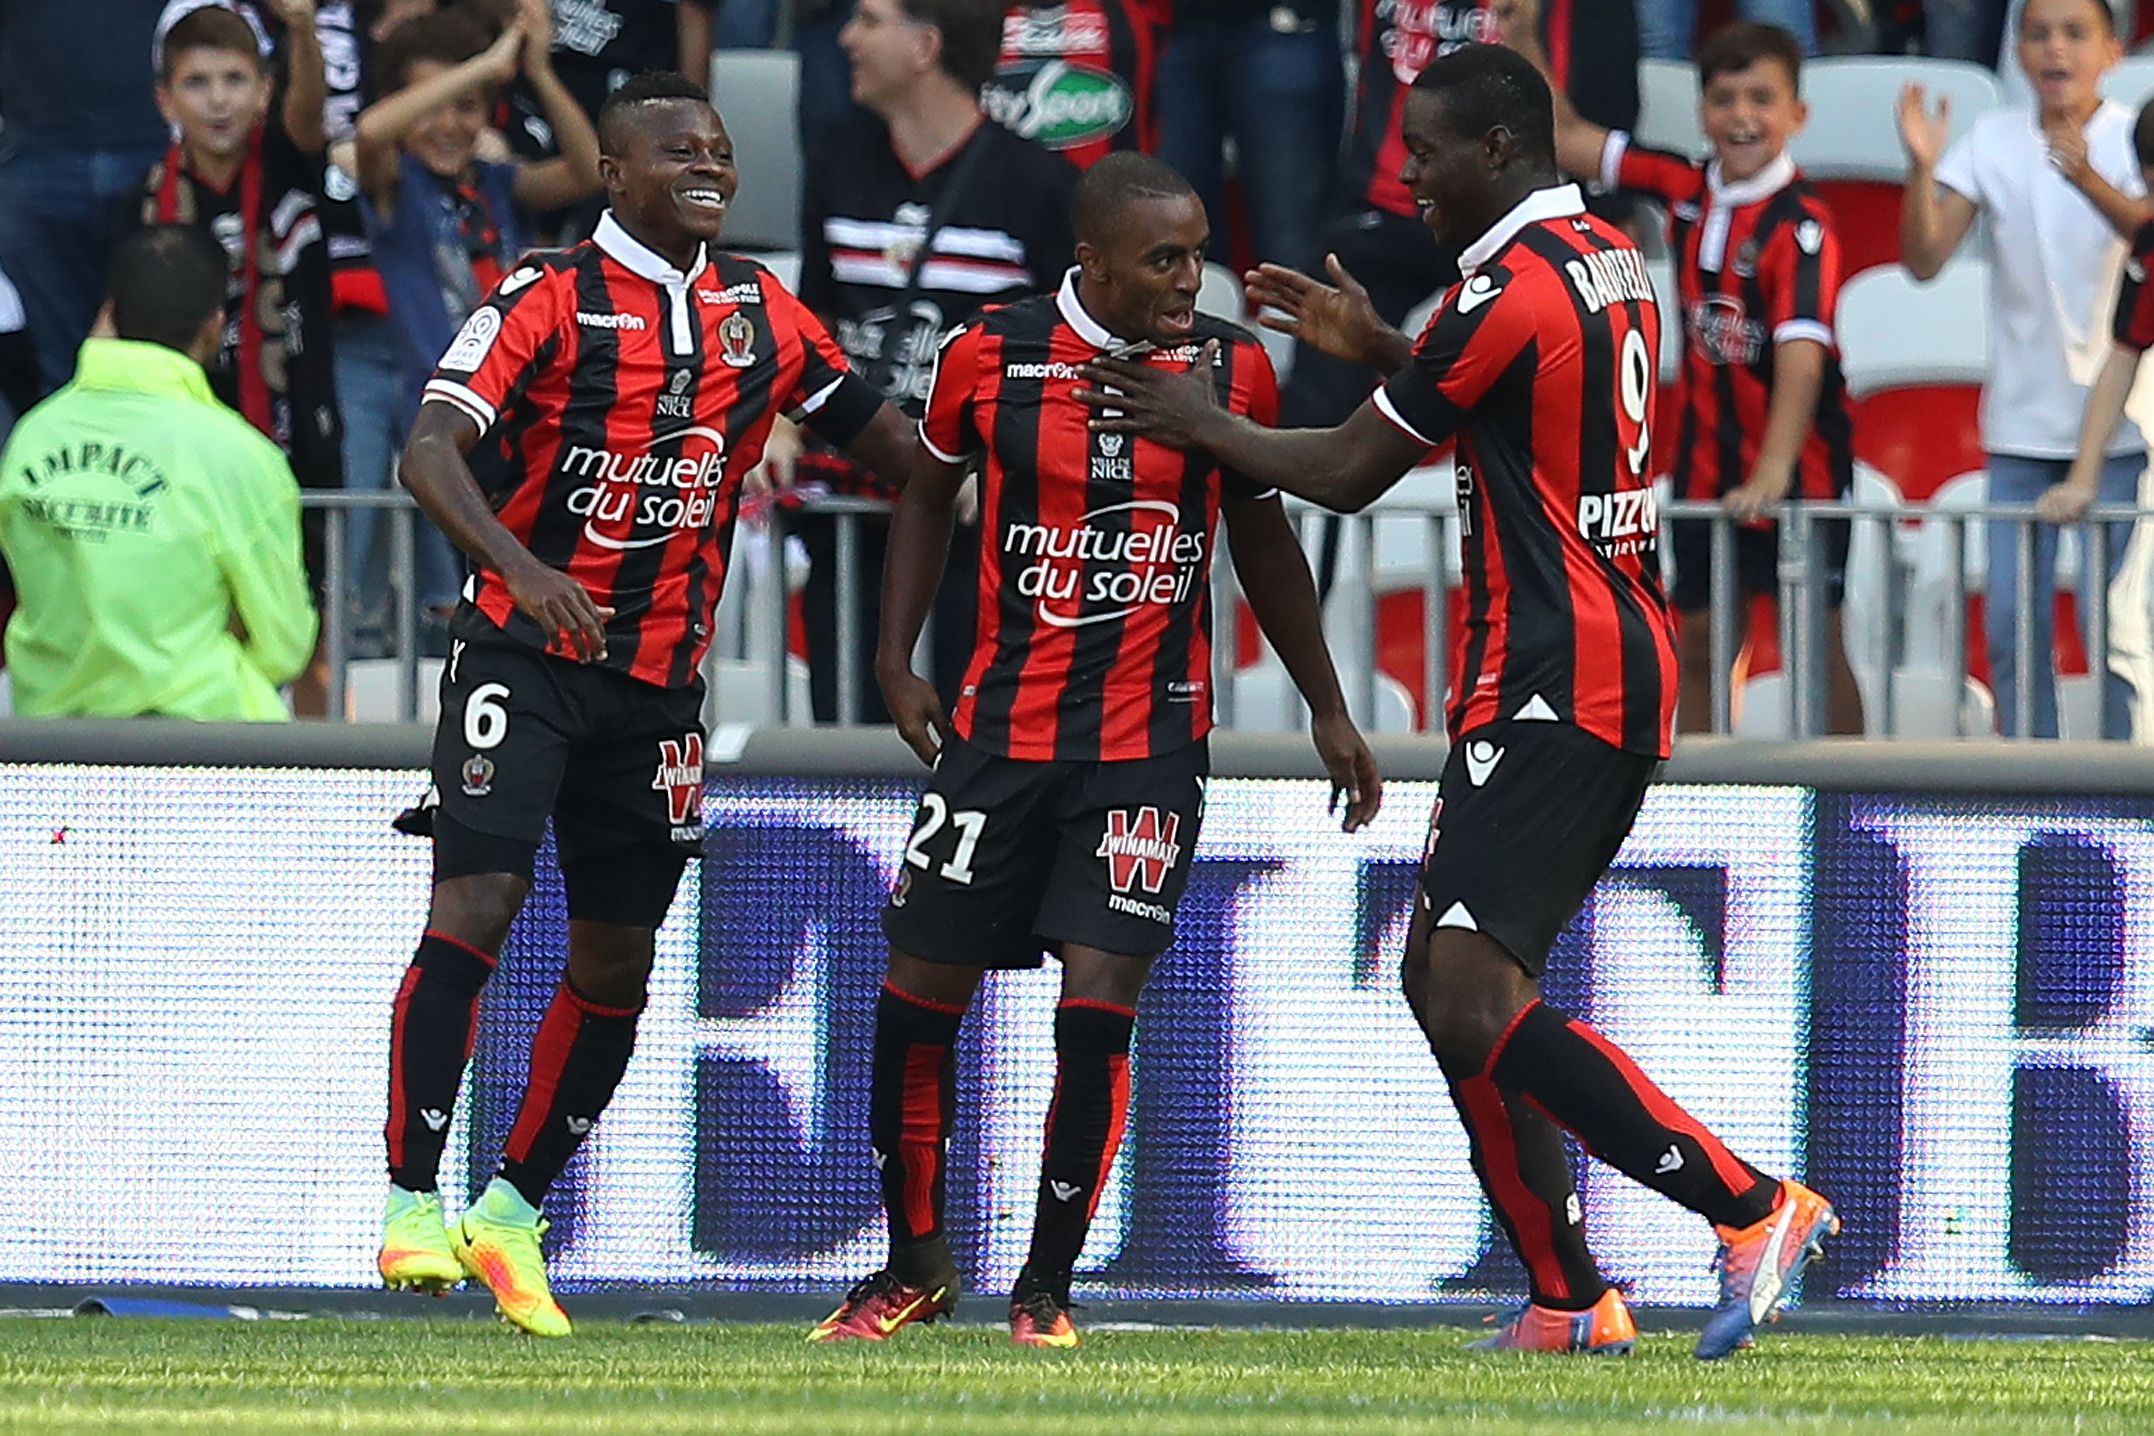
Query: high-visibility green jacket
pixel 148 528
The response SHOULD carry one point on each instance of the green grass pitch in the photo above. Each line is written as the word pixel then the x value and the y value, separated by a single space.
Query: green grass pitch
pixel 340 1375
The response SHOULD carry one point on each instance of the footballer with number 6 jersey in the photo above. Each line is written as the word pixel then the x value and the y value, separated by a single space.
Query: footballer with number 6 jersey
pixel 584 440
pixel 1541 363
pixel 1069 779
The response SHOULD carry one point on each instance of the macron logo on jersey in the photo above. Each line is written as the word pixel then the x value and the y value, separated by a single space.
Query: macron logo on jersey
pixel 1477 292
pixel 518 280
pixel 610 321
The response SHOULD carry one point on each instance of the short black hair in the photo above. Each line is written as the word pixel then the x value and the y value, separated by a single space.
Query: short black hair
pixel 971 36
pixel 2109 18
pixel 446 37
pixel 1487 86
pixel 1103 192
pixel 165 282
pixel 648 88
pixel 1743 44
pixel 212 27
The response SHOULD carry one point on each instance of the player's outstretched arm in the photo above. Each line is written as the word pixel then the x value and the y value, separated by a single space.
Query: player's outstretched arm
pixel 889 447
pixel 1338 318
pixel 433 468
pixel 1342 468
pixel 1282 595
pixel 919 545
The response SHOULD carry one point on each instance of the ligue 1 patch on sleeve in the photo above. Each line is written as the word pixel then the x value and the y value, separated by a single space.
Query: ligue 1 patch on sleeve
pixel 474 341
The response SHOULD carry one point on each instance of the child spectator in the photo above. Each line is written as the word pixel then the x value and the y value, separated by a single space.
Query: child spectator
pixel 444 225
pixel 2050 246
pixel 1764 410
pixel 251 179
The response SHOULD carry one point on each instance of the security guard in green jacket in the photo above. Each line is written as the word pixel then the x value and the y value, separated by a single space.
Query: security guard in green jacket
pixel 153 534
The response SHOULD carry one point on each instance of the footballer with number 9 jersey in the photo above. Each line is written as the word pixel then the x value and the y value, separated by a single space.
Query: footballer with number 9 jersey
pixel 1541 362
pixel 610 398
pixel 1069 780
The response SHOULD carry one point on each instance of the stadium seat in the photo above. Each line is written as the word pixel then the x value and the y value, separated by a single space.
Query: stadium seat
pixel 2131 83
pixel 758 94
pixel 1662 271
pixel 1851 146
pixel 785 265
pixel 1220 295
pixel 1668 107
pixel 1915 356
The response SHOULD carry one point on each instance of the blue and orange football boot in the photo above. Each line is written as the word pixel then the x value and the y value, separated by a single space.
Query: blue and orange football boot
pixel 1758 1264
pixel 1602 1329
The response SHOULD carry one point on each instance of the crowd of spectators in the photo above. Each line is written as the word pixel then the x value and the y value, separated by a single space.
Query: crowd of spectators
pixel 371 167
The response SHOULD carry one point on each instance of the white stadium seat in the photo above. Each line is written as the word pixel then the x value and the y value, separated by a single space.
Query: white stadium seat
pixel 1895 331
pixel 1854 133
pixel 1668 107
pixel 757 93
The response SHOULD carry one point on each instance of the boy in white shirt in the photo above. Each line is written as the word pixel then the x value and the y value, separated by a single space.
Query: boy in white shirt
pixel 2050 251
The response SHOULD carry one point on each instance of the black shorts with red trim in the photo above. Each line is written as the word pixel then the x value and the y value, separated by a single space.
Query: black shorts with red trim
pixel 1757 561
pixel 1527 818
pixel 1009 857
pixel 615 762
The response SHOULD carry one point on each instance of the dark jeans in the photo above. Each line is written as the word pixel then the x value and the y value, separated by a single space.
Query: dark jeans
pixel 1279 96
pixel 61 211
pixel 953 617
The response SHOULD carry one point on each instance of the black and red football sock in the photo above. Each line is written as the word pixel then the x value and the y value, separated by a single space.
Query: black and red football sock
pixel 1518 1155
pixel 1084 1128
pixel 912 1109
pixel 431 1029
pixel 1591 1086
pixel 577 1059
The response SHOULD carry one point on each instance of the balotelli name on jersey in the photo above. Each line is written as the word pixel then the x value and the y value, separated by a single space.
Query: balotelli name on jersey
pixel 1094 638
pixel 620 403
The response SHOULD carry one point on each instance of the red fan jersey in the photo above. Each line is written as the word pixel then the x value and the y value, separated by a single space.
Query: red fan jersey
pixel 1542 362
pixel 1095 626
pixel 620 402
pixel 2134 325
pixel 1757 263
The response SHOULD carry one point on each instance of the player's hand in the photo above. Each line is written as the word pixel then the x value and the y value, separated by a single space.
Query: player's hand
pixel 1747 505
pixel 1338 318
pixel 2067 150
pixel 2065 503
pixel 916 709
pixel 1352 768
pixel 563 609
pixel 1922 133
pixel 1176 409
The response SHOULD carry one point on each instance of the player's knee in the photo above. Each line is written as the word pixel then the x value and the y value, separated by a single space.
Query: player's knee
pixel 477 909
pixel 610 965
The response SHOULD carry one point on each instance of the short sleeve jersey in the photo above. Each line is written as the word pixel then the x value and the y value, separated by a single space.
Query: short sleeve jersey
pixel 620 402
pixel 1757 265
pixel 1095 624
pixel 1542 362
pixel 278 193
pixel 2133 325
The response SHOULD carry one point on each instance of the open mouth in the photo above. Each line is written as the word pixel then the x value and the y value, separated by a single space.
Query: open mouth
pixel 703 200
pixel 1178 321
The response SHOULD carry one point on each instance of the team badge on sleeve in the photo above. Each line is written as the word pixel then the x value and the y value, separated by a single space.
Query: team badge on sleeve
pixel 474 341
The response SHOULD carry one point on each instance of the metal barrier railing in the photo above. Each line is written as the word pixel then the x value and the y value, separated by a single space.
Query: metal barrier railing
pixel 1906 554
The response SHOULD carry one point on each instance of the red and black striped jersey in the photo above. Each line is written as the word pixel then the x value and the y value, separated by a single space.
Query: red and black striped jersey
pixel 1095 620
pixel 1757 265
pixel 620 402
pixel 2134 324
pixel 1542 363
pixel 1076 77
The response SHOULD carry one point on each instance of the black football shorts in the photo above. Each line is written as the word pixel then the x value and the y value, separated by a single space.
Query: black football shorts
pixel 617 763
pixel 1527 818
pixel 1757 561
pixel 1010 856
